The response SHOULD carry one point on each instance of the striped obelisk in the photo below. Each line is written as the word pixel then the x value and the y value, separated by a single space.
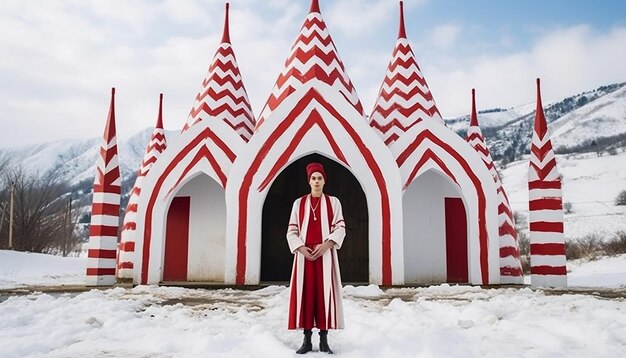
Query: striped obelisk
pixel 105 209
pixel 510 264
pixel 156 146
pixel 547 242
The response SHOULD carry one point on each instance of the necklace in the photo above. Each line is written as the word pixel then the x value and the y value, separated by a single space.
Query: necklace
pixel 314 208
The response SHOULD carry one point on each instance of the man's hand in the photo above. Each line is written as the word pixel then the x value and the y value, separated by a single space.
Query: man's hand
pixel 322 248
pixel 306 252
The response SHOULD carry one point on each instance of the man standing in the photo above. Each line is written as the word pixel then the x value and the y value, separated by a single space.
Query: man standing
pixel 315 233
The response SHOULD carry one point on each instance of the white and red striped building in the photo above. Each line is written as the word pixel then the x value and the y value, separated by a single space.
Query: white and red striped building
pixel 545 204
pixel 420 204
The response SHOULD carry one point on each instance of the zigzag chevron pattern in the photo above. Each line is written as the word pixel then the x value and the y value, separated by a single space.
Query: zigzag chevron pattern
pixel 404 98
pixel 155 147
pixel 510 264
pixel 223 95
pixel 547 242
pixel 313 57
pixel 105 209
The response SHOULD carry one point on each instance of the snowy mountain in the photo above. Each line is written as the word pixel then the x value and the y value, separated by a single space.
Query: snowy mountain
pixel 589 121
pixel 74 160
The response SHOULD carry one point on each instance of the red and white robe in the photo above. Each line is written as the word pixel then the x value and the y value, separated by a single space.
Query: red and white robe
pixel 332 228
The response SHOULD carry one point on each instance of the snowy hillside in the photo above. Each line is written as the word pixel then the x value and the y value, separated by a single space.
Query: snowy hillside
pixel 590 184
pixel 435 321
pixel 492 118
pixel 604 117
pixel 582 119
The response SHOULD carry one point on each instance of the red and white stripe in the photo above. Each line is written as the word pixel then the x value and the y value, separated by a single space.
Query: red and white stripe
pixel 223 95
pixel 510 264
pixel 313 57
pixel 157 144
pixel 547 242
pixel 404 98
pixel 105 209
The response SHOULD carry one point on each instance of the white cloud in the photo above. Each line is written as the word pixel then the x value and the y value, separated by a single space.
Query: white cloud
pixel 568 61
pixel 445 36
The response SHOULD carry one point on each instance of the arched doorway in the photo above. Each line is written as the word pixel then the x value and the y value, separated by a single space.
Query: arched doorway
pixel 291 183
pixel 195 233
pixel 435 231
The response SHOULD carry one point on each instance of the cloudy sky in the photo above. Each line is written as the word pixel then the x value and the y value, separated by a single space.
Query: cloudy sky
pixel 59 59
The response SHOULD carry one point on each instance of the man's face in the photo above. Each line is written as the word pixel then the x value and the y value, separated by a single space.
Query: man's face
pixel 316 181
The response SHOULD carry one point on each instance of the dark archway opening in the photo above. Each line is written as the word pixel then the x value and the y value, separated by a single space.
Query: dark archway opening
pixel 291 183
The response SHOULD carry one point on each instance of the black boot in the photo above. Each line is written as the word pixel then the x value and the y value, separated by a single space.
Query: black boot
pixel 307 346
pixel 324 342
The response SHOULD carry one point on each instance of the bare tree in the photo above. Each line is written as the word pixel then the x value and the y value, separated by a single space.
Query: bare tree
pixel 42 219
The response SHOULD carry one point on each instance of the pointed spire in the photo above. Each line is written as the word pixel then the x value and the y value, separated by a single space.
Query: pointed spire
pixel 401 31
pixel 404 98
pixel 159 124
pixel 315 6
pixel 226 34
pixel 474 115
pixel 223 80
pixel 109 130
pixel 540 120
pixel 313 57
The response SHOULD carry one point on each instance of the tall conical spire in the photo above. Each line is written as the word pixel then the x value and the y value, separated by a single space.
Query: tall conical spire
pixel 401 30
pixel 313 57
pixel 223 95
pixel 315 6
pixel 159 124
pixel 156 146
pixel 226 33
pixel 510 263
pixel 474 115
pixel 105 208
pixel 109 130
pixel 545 208
pixel 404 98
pixel 540 119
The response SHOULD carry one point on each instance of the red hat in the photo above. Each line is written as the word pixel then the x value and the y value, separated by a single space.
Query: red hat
pixel 315 167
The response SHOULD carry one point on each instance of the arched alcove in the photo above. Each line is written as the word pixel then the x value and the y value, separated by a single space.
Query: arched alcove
pixel 195 232
pixel 435 231
pixel 290 184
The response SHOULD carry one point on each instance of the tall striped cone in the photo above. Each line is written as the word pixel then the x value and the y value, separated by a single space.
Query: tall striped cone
pixel 510 264
pixel 404 98
pixel 313 57
pixel 156 146
pixel 223 95
pixel 105 209
pixel 547 242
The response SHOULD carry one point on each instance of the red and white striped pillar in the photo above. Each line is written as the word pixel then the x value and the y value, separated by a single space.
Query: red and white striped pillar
pixel 510 263
pixel 105 209
pixel 547 242
pixel 157 144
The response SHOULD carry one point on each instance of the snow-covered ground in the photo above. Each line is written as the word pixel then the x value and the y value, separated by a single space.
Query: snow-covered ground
pixel 436 321
pixel 590 184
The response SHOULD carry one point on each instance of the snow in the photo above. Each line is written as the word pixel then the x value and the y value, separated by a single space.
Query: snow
pixel 436 321
pixel 603 117
pixel 20 269
pixel 590 184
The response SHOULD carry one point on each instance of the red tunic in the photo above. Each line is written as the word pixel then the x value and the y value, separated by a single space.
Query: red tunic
pixel 313 289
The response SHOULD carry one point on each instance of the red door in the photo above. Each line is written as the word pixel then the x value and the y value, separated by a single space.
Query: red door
pixel 177 240
pixel 456 241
